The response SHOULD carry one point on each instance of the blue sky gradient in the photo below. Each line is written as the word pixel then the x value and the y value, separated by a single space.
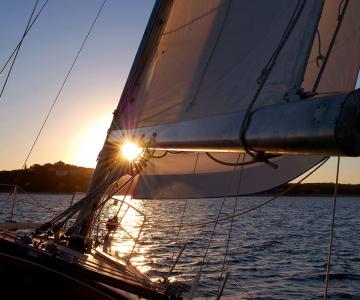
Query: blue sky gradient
pixel 93 89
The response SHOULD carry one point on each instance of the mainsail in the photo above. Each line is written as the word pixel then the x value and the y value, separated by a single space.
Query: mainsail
pixel 210 55
pixel 212 58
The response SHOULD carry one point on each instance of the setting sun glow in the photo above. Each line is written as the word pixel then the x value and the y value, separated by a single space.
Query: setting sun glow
pixel 90 141
pixel 130 151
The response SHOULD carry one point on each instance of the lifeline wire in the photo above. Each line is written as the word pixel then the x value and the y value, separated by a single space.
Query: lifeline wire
pixel 32 200
pixel 64 82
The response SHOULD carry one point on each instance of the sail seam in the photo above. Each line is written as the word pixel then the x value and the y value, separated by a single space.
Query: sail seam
pixel 193 20
pixel 210 57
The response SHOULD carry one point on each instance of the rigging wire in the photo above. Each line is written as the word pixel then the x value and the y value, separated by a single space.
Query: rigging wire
pixel 101 204
pixel 111 192
pixel 339 9
pixel 219 214
pixel 68 213
pixel 168 151
pixel 209 12
pixel 332 230
pixel 243 163
pixel 230 232
pixel 71 211
pixel 22 39
pixel 184 209
pixel 216 222
pixel 112 177
pixel 124 197
pixel 331 93
pixel 18 49
pixel 320 56
pixel 341 14
pixel 64 82
pixel 264 76
pixel 161 155
pixel 220 289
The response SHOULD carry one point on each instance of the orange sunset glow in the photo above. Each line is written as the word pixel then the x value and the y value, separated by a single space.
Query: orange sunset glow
pixel 90 141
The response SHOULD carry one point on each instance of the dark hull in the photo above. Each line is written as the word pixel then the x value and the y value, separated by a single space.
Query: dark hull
pixel 22 278
pixel 36 274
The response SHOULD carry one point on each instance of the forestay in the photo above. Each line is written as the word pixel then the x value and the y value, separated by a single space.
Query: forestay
pixel 207 59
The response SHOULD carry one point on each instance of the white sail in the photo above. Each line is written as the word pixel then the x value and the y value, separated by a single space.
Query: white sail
pixel 207 61
pixel 211 54
pixel 176 177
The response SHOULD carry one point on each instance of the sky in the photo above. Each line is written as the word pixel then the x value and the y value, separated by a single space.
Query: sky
pixel 77 126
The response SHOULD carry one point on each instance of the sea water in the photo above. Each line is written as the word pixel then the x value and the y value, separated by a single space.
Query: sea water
pixel 278 251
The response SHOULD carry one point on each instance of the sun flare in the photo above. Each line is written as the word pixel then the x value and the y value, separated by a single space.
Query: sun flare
pixel 130 151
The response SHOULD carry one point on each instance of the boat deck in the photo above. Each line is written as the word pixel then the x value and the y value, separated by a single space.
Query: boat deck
pixel 96 270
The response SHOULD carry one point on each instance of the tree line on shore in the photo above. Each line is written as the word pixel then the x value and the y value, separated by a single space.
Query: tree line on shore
pixel 316 189
pixel 48 178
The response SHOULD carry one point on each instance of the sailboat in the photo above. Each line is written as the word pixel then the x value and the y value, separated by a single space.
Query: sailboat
pixel 224 99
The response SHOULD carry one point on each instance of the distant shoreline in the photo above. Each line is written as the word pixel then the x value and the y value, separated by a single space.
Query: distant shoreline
pixel 316 190
pixel 57 178
pixel 60 178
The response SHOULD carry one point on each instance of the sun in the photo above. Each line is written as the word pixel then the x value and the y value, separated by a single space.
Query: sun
pixel 90 142
pixel 130 151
